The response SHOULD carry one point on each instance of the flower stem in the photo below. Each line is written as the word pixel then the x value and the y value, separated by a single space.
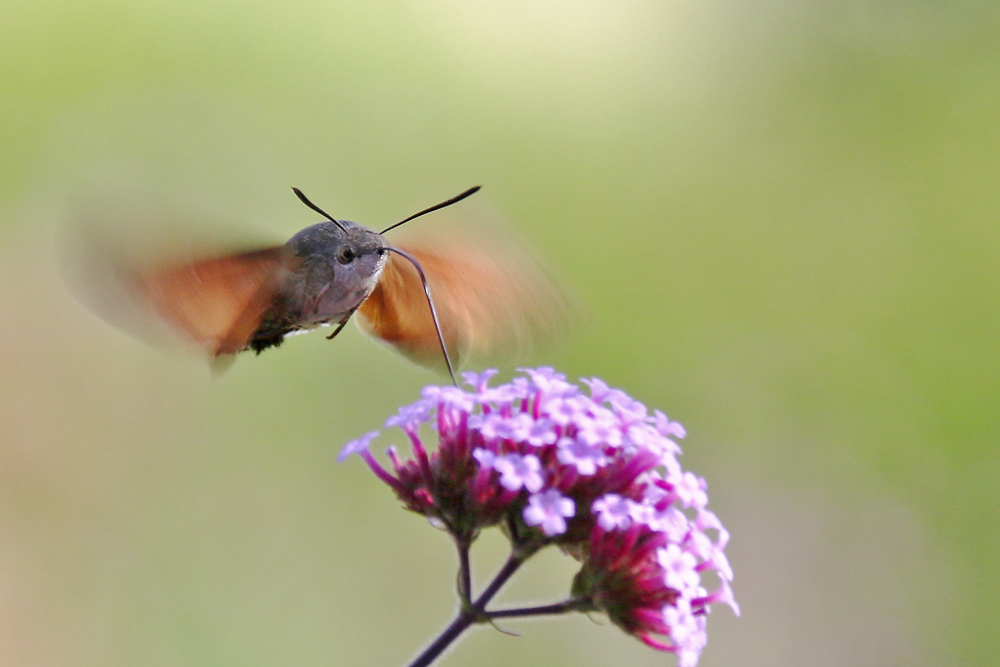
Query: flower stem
pixel 575 604
pixel 464 571
pixel 467 615
pixel 450 634
pixel 514 561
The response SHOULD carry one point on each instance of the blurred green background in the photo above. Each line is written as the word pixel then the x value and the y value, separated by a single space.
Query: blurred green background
pixel 781 219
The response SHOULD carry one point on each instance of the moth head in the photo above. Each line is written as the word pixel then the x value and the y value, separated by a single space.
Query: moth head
pixel 339 260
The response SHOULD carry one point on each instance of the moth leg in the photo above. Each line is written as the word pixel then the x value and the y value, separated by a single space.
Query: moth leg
pixel 339 327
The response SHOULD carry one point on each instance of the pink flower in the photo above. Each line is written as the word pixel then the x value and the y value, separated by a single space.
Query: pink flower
pixel 549 510
pixel 592 472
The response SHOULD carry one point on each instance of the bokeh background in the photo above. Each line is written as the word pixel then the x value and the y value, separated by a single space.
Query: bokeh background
pixel 781 221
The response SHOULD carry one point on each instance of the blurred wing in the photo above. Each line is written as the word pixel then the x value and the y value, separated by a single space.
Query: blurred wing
pixel 489 298
pixel 216 302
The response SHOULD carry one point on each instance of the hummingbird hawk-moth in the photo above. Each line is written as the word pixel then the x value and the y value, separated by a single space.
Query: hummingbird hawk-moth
pixel 433 301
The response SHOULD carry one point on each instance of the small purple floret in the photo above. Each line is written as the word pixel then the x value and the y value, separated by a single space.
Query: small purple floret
pixel 549 510
pixel 517 472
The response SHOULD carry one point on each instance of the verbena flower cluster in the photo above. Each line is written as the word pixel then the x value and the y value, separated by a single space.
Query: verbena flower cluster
pixel 591 471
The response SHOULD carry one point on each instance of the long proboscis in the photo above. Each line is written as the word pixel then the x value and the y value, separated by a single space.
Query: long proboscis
pixel 430 302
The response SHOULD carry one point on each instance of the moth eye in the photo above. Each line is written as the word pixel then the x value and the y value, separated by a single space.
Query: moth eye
pixel 345 255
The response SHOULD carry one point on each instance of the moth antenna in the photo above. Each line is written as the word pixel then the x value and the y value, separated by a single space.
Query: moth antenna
pixel 453 200
pixel 427 291
pixel 305 200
